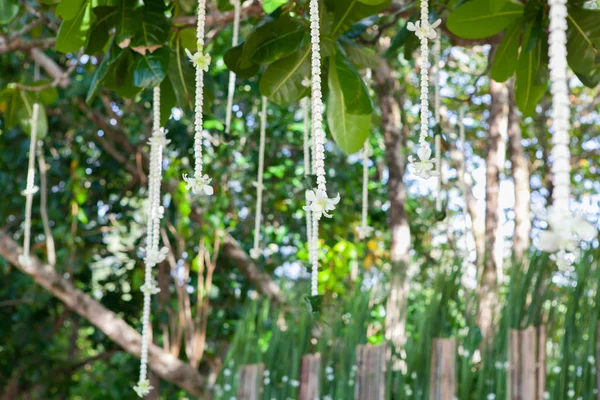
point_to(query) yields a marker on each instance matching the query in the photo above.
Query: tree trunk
(387, 89)
(163, 364)
(487, 279)
(520, 174)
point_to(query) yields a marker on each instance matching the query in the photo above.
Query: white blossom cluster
(30, 189)
(317, 201)
(255, 252)
(423, 166)
(154, 253)
(234, 42)
(200, 183)
(565, 229)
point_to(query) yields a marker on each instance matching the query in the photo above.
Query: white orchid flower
(424, 168)
(364, 232)
(160, 139)
(199, 59)
(425, 31)
(564, 233)
(156, 256)
(199, 185)
(30, 191)
(319, 203)
(150, 289)
(143, 388)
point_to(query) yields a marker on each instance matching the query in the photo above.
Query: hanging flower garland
(565, 229)
(154, 254)
(234, 42)
(317, 200)
(364, 231)
(30, 189)
(255, 252)
(423, 167)
(307, 154)
(200, 183)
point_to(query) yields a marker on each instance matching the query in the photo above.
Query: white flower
(425, 31)
(591, 360)
(200, 59)
(143, 388)
(160, 139)
(227, 387)
(160, 212)
(364, 232)
(424, 167)
(267, 381)
(226, 372)
(156, 256)
(294, 383)
(328, 370)
(565, 232)
(30, 191)
(199, 185)
(150, 289)
(255, 253)
(319, 203)
(306, 82)
(284, 379)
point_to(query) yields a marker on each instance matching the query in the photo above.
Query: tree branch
(163, 364)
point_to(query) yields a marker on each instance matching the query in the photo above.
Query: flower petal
(424, 152)
(584, 229)
(548, 241)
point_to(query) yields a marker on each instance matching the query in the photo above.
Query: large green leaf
(151, 68)
(361, 56)
(8, 10)
(72, 34)
(476, 20)
(167, 100)
(282, 81)
(120, 77)
(104, 20)
(153, 29)
(583, 40)
(181, 75)
(591, 80)
(348, 12)
(349, 106)
(101, 72)
(233, 59)
(280, 45)
(531, 76)
(271, 5)
(67, 9)
(505, 59)
(128, 21)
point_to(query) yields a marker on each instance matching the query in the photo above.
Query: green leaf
(181, 75)
(151, 69)
(67, 9)
(233, 59)
(279, 46)
(104, 20)
(282, 81)
(361, 56)
(583, 40)
(25, 115)
(72, 34)
(127, 21)
(591, 80)
(497, 5)
(167, 100)
(101, 72)
(349, 106)
(271, 5)
(504, 63)
(120, 77)
(8, 10)
(531, 83)
(154, 28)
(348, 12)
(475, 19)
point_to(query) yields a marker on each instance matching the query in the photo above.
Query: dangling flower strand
(200, 183)
(565, 230)
(424, 32)
(234, 42)
(154, 254)
(30, 189)
(307, 171)
(318, 202)
(364, 231)
(255, 252)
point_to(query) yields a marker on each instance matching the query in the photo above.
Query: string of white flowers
(364, 230)
(234, 42)
(318, 202)
(423, 167)
(565, 229)
(255, 252)
(200, 183)
(30, 188)
(437, 50)
(154, 254)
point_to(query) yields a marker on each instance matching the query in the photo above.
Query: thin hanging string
(234, 42)
(364, 230)
(255, 253)
(30, 189)
(154, 255)
(200, 183)
(307, 154)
